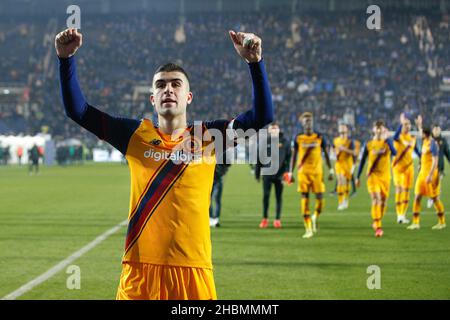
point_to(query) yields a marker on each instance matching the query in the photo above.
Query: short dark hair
(171, 67)
(379, 123)
(426, 131)
(436, 125)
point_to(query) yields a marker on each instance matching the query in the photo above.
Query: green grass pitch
(45, 218)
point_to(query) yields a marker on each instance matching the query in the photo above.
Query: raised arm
(365, 154)
(390, 143)
(114, 130)
(261, 113)
(248, 46)
(398, 132)
(419, 122)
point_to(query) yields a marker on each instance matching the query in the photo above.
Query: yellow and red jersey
(169, 202)
(344, 159)
(433, 188)
(405, 145)
(429, 150)
(168, 224)
(378, 155)
(309, 153)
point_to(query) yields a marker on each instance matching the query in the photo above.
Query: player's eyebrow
(167, 80)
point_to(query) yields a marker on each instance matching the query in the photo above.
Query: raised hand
(68, 42)
(247, 45)
(419, 121)
(402, 118)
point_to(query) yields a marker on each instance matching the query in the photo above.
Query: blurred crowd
(328, 63)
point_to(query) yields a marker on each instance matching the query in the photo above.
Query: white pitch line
(63, 264)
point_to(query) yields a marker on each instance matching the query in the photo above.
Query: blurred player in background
(215, 207)
(307, 149)
(168, 244)
(33, 159)
(403, 167)
(357, 145)
(282, 155)
(19, 152)
(443, 152)
(428, 183)
(377, 152)
(344, 149)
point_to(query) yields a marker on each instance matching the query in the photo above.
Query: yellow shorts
(379, 184)
(310, 182)
(430, 190)
(404, 179)
(343, 170)
(143, 281)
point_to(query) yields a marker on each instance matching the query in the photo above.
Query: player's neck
(173, 125)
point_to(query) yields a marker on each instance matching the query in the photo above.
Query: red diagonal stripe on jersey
(375, 163)
(156, 192)
(340, 152)
(400, 156)
(305, 156)
(146, 188)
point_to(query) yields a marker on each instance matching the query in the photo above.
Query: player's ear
(190, 97)
(152, 100)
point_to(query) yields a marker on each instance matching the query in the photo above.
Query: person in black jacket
(33, 158)
(276, 179)
(216, 194)
(443, 152)
(443, 148)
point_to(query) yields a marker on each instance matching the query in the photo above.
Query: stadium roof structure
(58, 7)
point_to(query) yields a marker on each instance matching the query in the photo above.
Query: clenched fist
(68, 42)
(247, 45)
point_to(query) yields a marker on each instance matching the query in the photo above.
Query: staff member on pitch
(283, 157)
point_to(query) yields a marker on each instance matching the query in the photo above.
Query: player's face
(378, 131)
(436, 131)
(307, 123)
(171, 93)
(343, 131)
(407, 126)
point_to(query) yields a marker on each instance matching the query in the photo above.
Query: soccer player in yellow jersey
(307, 149)
(403, 167)
(444, 152)
(428, 181)
(344, 149)
(377, 152)
(167, 246)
